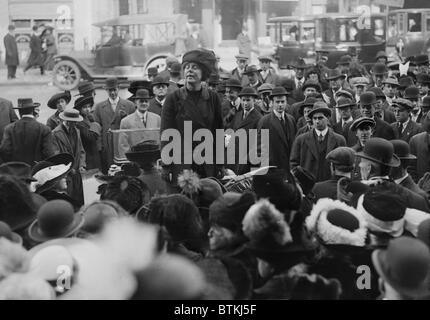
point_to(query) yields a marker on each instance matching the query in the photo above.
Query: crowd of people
(342, 211)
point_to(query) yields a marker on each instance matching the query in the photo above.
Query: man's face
(319, 121)
(345, 113)
(423, 69)
(142, 105)
(193, 73)
(359, 89)
(379, 104)
(313, 77)
(402, 115)
(160, 91)
(265, 65)
(336, 84)
(219, 237)
(364, 133)
(381, 60)
(378, 79)
(306, 111)
(424, 89)
(300, 73)
(309, 90)
(367, 110)
(232, 94)
(248, 103)
(253, 77)
(241, 63)
(61, 105)
(113, 93)
(280, 103)
(389, 90)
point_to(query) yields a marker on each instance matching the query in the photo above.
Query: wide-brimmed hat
(380, 151)
(248, 92)
(368, 98)
(48, 172)
(421, 59)
(335, 74)
(266, 88)
(206, 59)
(52, 103)
(233, 83)
(345, 103)
(71, 115)
(412, 93)
(344, 60)
(379, 69)
(320, 109)
(111, 83)
(56, 219)
(147, 150)
(19, 170)
(7, 233)
(27, 103)
(403, 103)
(251, 69)
(312, 84)
(378, 92)
(278, 91)
(159, 80)
(139, 84)
(83, 101)
(391, 80)
(86, 87)
(405, 266)
(402, 150)
(141, 94)
(358, 123)
(381, 54)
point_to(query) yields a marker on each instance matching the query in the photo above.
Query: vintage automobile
(337, 34)
(129, 46)
(408, 32)
(294, 37)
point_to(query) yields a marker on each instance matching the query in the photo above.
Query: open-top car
(129, 46)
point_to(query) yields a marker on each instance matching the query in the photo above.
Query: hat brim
(34, 105)
(52, 161)
(247, 73)
(147, 155)
(82, 93)
(394, 163)
(157, 83)
(53, 101)
(378, 257)
(37, 235)
(255, 95)
(317, 88)
(78, 119)
(336, 77)
(325, 111)
(408, 157)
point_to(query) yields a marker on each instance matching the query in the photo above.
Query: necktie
(400, 129)
(144, 119)
(320, 138)
(245, 114)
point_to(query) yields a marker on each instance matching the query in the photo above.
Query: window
(392, 26)
(378, 27)
(124, 7)
(428, 24)
(142, 6)
(22, 24)
(414, 22)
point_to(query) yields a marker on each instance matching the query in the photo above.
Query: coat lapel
(249, 119)
(310, 141)
(279, 130)
(331, 141)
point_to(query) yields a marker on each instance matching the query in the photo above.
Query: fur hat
(335, 223)
(229, 210)
(206, 59)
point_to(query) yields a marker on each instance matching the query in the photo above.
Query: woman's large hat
(139, 84)
(83, 101)
(52, 103)
(380, 151)
(86, 87)
(147, 150)
(48, 172)
(205, 58)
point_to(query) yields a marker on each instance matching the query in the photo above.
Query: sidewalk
(32, 77)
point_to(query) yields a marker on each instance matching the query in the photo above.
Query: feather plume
(189, 182)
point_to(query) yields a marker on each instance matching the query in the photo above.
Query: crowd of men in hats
(348, 186)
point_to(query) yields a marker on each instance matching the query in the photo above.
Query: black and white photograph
(215, 154)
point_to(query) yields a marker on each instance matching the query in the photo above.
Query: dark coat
(205, 114)
(272, 78)
(420, 147)
(63, 144)
(408, 183)
(7, 115)
(389, 117)
(36, 56)
(27, 141)
(12, 57)
(382, 130)
(243, 79)
(172, 87)
(412, 129)
(155, 107)
(281, 140)
(228, 113)
(295, 110)
(305, 154)
(326, 189)
(54, 120)
(90, 136)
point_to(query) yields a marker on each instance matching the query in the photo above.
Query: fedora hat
(379, 69)
(335, 74)
(147, 150)
(55, 219)
(320, 109)
(251, 69)
(248, 92)
(422, 59)
(141, 94)
(359, 81)
(86, 87)
(299, 64)
(344, 60)
(403, 103)
(380, 151)
(309, 102)
(159, 80)
(312, 84)
(288, 84)
(278, 91)
(175, 68)
(405, 266)
(83, 101)
(368, 98)
(345, 94)
(27, 103)
(48, 172)
(345, 103)
(52, 103)
(412, 93)
(233, 83)
(19, 170)
(139, 84)
(71, 115)
(266, 88)
(358, 123)
(111, 83)
(402, 150)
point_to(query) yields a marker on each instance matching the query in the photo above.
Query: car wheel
(158, 62)
(66, 75)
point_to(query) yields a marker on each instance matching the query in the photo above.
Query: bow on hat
(404, 68)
